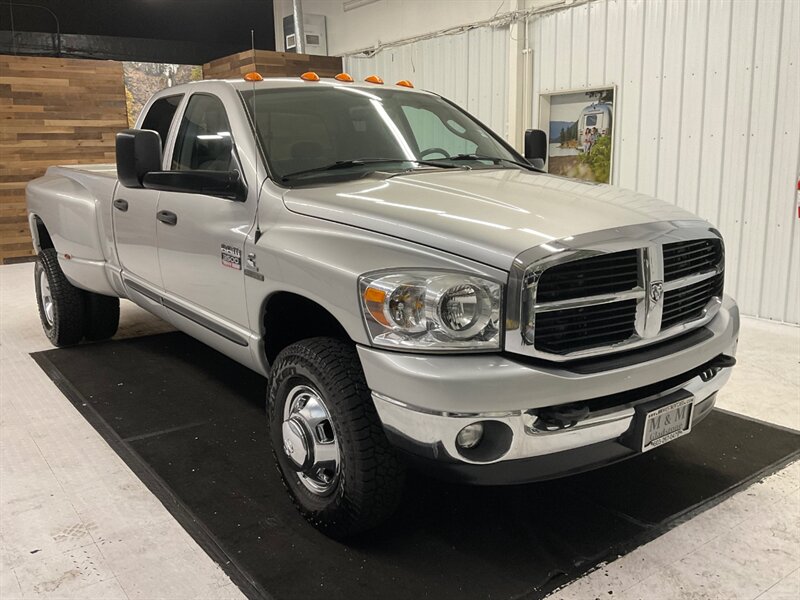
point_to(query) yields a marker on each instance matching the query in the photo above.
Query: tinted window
(432, 133)
(204, 138)
(159, 116)
(305, 128)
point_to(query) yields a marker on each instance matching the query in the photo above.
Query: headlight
(432, 311)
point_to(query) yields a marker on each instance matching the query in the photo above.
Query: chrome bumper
(437, 432)
(426, 400)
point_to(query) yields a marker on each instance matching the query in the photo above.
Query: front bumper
(424, 401)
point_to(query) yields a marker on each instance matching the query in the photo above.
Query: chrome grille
(614, 290)
(687, 303)
(693, 256)
(603, 274)
(574, 329)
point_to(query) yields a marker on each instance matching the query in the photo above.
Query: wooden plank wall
(61, 111)
(52, 111)
(271, 64)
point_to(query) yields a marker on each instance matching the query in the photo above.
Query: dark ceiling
(188, 31)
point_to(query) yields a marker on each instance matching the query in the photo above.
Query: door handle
(121, 204)
(168, 217)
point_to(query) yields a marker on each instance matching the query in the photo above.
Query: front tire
(328, 442)
(61, 304)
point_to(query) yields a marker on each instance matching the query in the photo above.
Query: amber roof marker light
(344, 77)
(253, 76)
(309, 76)
(405, 83)
(374, 79)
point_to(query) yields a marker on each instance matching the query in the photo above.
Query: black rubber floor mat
(191, 424)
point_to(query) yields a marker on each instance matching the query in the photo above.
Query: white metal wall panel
(714, 112)
(652, 84)
(470, 68)
(763, 119)
(777, 296)
(690, 144)
(736, 137)
(706, 118)
(596, 38)
(581, 34)
(672, 85)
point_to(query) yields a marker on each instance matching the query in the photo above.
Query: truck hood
(486, 215)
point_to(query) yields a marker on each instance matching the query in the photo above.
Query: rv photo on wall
(580, 134)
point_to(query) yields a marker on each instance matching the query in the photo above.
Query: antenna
(255, 142)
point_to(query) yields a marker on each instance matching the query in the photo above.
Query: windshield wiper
(359, 162)
(494, 159)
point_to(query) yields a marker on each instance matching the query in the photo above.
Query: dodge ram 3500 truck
(415, 290)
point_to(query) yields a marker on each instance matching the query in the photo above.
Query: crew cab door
(201, 238)
(134, 210)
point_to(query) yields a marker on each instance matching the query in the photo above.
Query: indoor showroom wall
(357, 24)
(697, 110)
(477, 80)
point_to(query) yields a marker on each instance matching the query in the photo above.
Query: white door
(134, 216)
(134, 210)
(201, 238)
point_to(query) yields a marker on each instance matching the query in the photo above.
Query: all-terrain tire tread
(375, 475)
(69, 309)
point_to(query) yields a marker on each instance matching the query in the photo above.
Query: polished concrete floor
(76, 523)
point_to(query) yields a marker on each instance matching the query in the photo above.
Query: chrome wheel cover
(46, 298)
(309, 440)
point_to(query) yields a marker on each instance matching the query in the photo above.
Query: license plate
(667, 423)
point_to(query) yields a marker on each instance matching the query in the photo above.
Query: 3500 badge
(231, 257)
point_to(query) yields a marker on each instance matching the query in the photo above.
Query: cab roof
(295, 82)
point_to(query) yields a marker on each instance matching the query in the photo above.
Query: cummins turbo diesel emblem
(656, 290)
(231, 257)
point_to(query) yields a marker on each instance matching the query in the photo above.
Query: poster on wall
(580, 134)
(143, 79)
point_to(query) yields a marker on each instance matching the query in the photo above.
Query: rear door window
(160, 114)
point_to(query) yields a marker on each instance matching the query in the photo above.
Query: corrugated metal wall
(707, 112)
(707, 117)
(469, 68)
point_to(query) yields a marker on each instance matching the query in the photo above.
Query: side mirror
(224, 184)
(138, 153)
(536, 147)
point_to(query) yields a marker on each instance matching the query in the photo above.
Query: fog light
(470, 436)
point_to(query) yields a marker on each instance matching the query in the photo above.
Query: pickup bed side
(72, 205)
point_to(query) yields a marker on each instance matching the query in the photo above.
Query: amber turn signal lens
(374, 299)
(253, 76)
(373, 79)
(405, 83)
(344, 77)
(309, 76)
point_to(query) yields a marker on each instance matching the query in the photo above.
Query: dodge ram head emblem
(656, 291)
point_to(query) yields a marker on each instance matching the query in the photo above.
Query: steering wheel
(442, 151)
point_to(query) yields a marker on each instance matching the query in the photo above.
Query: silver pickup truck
(416, 291)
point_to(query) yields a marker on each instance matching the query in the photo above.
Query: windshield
(306, 131)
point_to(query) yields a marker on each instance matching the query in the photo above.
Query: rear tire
(362, 480)
(102, 316)
(61, 304)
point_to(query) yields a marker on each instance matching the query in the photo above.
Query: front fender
(322, 261)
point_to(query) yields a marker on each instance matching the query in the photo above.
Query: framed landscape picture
(580, 131)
